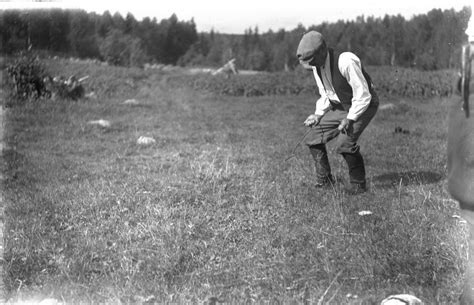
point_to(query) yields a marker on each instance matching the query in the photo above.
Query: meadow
(219, 209)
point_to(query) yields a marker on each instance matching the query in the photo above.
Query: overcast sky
(237, 15)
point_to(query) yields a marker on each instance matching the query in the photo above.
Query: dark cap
(309, 44)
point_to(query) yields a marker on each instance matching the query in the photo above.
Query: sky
(235, 16)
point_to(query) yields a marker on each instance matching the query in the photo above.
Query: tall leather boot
(321, 162)
(355, 162)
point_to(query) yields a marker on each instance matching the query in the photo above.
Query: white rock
(401, 299)
(103, 123)
(388, 106)
(90, 95)
(131, 102)
(145, 140)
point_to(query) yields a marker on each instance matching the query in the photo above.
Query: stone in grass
(145, 140)
(388, 106)
(101, 123)
(399, 299)
(132, 102)
(91, 95)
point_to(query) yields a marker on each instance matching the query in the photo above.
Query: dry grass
(211, 212)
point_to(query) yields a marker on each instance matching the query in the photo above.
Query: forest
(430, 41)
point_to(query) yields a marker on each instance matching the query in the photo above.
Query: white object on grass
(131, 102)
(401, 299)
(90, 95)
(102, 123)
(388, 106)
(145, 140)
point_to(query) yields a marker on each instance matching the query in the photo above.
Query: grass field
(212, 212)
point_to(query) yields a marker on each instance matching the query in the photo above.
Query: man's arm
(322, 104)
(351, 69)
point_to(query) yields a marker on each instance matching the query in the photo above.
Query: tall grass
(212, 212)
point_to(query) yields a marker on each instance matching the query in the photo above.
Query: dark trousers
(346, 143)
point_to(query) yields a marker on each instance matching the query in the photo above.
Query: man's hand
(346, 126)
(312, 120)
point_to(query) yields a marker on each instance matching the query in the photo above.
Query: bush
(388, 81)
(279, 83)
(26, 78)
(411, 83)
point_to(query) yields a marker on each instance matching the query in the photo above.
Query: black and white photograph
(236, 152)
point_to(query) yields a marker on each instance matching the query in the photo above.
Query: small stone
(102, 123)
(145, 140)
(388, 106)
(131, 102)
(401, 299)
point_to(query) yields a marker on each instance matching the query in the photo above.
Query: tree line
(427, 41)
(116, 39)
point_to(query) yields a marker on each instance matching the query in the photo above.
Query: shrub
(26, 78)
(279, 83)
(389, 81)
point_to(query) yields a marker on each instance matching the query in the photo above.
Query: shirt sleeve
(351, 69)
(322, 104)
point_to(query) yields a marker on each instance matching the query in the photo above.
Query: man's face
(319, 57)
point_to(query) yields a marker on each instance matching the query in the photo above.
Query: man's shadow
(394, 179)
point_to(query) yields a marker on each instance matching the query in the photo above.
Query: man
(461, 154)
(347, 104)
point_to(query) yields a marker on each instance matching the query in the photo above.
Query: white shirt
(350, 67)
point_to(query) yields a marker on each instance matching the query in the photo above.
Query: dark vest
(340, 84)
